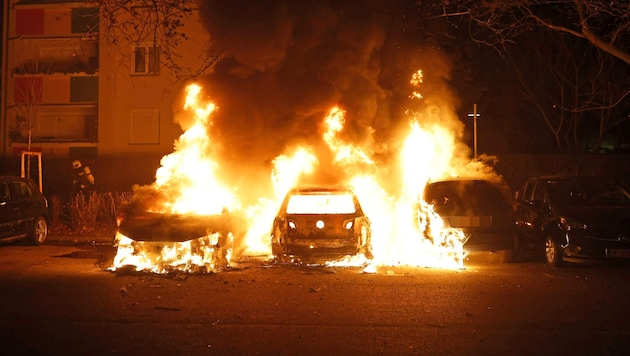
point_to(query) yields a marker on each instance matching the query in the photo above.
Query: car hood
(617, 217)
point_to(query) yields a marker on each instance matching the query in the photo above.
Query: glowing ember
(416, 80)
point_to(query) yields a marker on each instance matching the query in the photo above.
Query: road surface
(63, 300)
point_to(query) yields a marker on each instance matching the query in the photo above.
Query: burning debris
(163, 242)
(205, 254)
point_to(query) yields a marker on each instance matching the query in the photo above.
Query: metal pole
(475, 128)
(4, 77)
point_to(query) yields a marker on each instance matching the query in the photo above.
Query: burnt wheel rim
(550, 250)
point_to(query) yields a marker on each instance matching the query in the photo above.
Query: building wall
(50, 78)
(88, 99)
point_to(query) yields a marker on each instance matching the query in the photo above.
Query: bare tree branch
(160, 23)
(603, 23)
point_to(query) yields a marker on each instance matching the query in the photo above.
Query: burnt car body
(150, 238)
(480, 208)
(23, 211)
(320, 223)
(573, 218)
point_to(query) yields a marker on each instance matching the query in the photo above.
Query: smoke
(285, 64)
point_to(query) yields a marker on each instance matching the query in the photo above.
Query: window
(5, 193)
(22, 190)
(539, 193)
(144, 127)
(321, 204)
(65, 124)
(146, 60)
(85, 20)
(528, 194)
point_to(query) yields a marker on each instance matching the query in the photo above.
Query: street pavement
(88, 239)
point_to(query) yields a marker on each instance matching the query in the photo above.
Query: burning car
(573, 218)
(480, 208)
(159, 242)
(320, 222)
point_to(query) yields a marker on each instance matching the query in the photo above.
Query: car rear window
(5, 193)
(321, 204)
(22, 190)
(466, 198)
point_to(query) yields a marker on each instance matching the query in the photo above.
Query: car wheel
(553, 253)
(40, 231)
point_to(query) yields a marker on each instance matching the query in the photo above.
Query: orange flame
(187, 176)
(344, 152)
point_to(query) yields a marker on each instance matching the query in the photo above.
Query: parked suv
(573, 218)
(23, 211)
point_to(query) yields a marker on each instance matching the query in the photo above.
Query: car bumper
(591, 248)
(488, 239)
(319, 248)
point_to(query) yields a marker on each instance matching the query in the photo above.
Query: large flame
(406, 230)
(188, 175)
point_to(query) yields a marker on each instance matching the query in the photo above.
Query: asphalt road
(62, 300)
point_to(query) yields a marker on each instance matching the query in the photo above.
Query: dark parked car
(23, 211)
(573, 218)
(320, 222)
(480, 208)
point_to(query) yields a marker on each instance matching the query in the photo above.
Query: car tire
(553, 253)
(40, 231)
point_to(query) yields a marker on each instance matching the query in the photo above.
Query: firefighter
(82, 177)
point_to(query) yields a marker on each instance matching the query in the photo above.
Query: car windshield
(587, 192)
(466, 198)
(321, 203)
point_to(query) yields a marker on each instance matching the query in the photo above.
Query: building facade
(67, 92)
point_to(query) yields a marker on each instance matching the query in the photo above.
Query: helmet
(76, 164)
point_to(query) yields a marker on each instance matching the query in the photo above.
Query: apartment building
(67, 92)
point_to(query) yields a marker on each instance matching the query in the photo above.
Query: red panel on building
(29, 22)
(28, 90)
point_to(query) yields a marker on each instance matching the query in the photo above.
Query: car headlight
(348, 224)
(569, 224)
